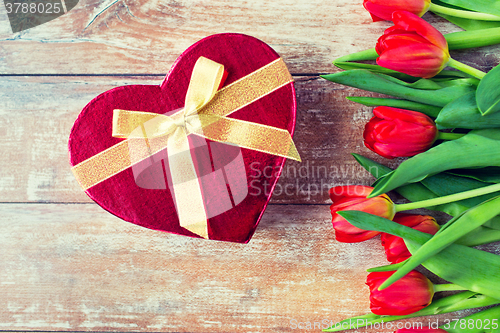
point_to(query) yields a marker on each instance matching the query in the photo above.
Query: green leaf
(461, 301)
(449, 233)
(386, 268)
(479, 148)
(364, 79)
(475, 270)
(446, 184)
(469, 81)
(486, 175)
(488, 92)
(375, 69)
(469, 24)
(446, 74)
(480, 320)
(493, 223)
(463, 113)
(430, 110)
(412, 192)
(484, 6)
(480, 236)
(442, 80)
(432, 187)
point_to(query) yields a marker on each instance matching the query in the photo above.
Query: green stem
(463, 13)
(448, 136)
(466, 68)
(456, 41)
(448, 198)
(447, 287)
(472, 38)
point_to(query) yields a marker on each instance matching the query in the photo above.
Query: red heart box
(236, 183)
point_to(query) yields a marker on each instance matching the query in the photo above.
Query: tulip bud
(411, 293)
(396, 132)
(382, 9)
(395, 247)
(354, 198)
(412, 46)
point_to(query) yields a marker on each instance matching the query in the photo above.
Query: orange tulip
(354, 198)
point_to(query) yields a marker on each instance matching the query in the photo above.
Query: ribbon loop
(205, 80)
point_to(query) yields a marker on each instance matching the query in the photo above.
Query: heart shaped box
(236, 183)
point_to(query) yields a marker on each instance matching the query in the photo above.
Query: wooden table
(68, 265)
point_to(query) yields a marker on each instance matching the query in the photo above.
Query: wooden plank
(140, 36)
(76, 267)
(37, 113)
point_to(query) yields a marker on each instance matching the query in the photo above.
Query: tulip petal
(420, 60)
(375, 18)
(384, 9)
(396, 132)
(354, 198)
(411, 22)
(390, 113)
(410, 294)
(398, 39)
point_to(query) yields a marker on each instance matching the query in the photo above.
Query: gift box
(198, 155)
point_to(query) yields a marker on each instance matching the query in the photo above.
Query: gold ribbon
(205, 114)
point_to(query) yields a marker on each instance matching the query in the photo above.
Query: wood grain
(36, 115)
(144, 37)
(76, 267)
(130, 36)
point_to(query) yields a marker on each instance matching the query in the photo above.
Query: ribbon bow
(205, 114)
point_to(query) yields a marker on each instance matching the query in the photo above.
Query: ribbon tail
(186, 186)
(263, 138)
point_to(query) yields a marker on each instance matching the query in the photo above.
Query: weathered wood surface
(117, 36)
(68, 265)
(36, 115)
(141, 36)
(73, 267)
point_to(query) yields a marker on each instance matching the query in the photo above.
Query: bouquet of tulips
(447, 124)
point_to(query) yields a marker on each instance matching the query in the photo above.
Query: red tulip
(382, 9)
(412, 46)
(354, 198)
(396, 132)
(395, 247)
(411, 293)
(420, 330)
